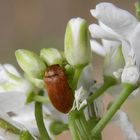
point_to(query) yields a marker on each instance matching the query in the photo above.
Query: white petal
(3, 75)
(11, 69)
(7, 135)
(6, 118)
(86, 79)
(126, 49)
(11, 101)
(121, 21)
(26, 117)
(80, 97)
(135, 42)
(97, 48)
(99, 107)
(118, 40)
(98, 32)
(108, 44)
(130, 75)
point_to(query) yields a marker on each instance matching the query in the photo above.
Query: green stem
(39, 120)
(72, 126)
(9, 127)
(23, 134)
(76, 77)
(79, 126)
(108, 82)
(127, 90)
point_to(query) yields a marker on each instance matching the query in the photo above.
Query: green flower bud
(114, 60)
(31, 63)
(77, 48)
(51, 56)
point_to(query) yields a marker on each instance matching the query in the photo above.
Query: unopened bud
(31, 63)
(51, 56)
(77, 48)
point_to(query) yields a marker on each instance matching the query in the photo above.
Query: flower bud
(77, 48)
(31, 63)
(114, 60)
(130, 75)
(51, 56)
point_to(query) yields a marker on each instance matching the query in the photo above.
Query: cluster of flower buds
(53, 66)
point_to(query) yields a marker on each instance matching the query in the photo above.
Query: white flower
(130, 75)
(118, 25)
(80, 98)
(26, 117)
(99, 107)
(113, 57)
(110, 50)
(11, 130)
(13, 89)
(87, 78)
(86, 86)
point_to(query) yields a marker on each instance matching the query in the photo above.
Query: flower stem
(79, 126)
(39, 119)
(76, 77)
(127, 90)
(10, 127)
(108, 82)
(23, 134)
(73, 115)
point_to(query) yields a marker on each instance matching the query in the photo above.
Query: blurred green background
(33, 24)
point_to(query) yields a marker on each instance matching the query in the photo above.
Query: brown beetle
(58, 88)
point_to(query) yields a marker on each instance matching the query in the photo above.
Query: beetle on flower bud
(58, 88)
